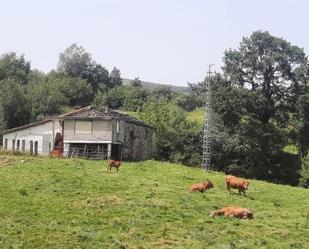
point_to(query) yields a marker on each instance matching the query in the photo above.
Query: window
(6, 144)
(31, 147)
(23, 145)
(18, 144)
(83, 127)
(118, 127)
(13, 144)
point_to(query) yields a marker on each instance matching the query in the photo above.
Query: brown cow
(236, 183)
(238, 212)
(113, 163)
(201, 187)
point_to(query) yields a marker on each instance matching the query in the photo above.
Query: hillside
(58, 203)
(152, 85)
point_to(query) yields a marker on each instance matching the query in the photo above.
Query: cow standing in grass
(237, 183)
(113, 163)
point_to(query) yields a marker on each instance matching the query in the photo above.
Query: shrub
(304, 172)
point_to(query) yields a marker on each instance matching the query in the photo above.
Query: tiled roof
(90, 112)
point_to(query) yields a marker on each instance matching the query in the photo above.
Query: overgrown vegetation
(58, 203)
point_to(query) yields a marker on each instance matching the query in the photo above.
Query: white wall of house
(41, 133)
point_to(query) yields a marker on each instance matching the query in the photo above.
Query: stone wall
(137, 143)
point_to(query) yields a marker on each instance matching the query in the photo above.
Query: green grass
(59, 203)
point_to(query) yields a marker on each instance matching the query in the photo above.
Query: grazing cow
(238, 212)
(236, 183)
(113, 163)
(201, 187)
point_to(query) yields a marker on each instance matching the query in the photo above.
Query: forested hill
(152, 86)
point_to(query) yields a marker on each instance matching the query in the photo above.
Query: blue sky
(166, 41)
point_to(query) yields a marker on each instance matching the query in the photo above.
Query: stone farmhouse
(89, 132)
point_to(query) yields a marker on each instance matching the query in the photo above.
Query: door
(6, 144)
(23, 145)
(13, 145)
(116, 152)
(36, 145)
(31, 147)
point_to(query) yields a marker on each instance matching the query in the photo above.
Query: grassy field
(58, 203)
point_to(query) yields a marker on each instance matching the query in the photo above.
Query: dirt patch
(5, 162)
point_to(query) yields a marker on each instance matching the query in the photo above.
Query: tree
(162, 92)
(189, 101)
(255, 101)
(99, 78)
(114, 98)
(76, 91)
(137, 83)
(125, 97)
(14, 67)
(272, 67)
(14, 106)
(75, 62)
(304, 173)
(303, 135)
(115, 78)
(134, 97)
(45, 96)
(175, 138)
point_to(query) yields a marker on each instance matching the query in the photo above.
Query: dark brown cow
(238, 212)
(113, 163)
(201, 187)
(236, 183)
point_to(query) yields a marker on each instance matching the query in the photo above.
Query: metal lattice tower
(207, 125)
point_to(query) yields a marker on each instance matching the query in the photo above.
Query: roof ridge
(75, 111)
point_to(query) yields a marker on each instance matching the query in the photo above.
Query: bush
(175, 138)
(304, 172)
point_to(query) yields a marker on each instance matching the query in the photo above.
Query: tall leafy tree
(75, 61)
(255, 100)
(273, 68)
(14, 106)
(46, 98)
(115, 78)
(127, 97)
(303, 136)
(137, 83)
(14, 67)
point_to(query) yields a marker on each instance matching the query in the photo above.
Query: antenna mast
(207, 125)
